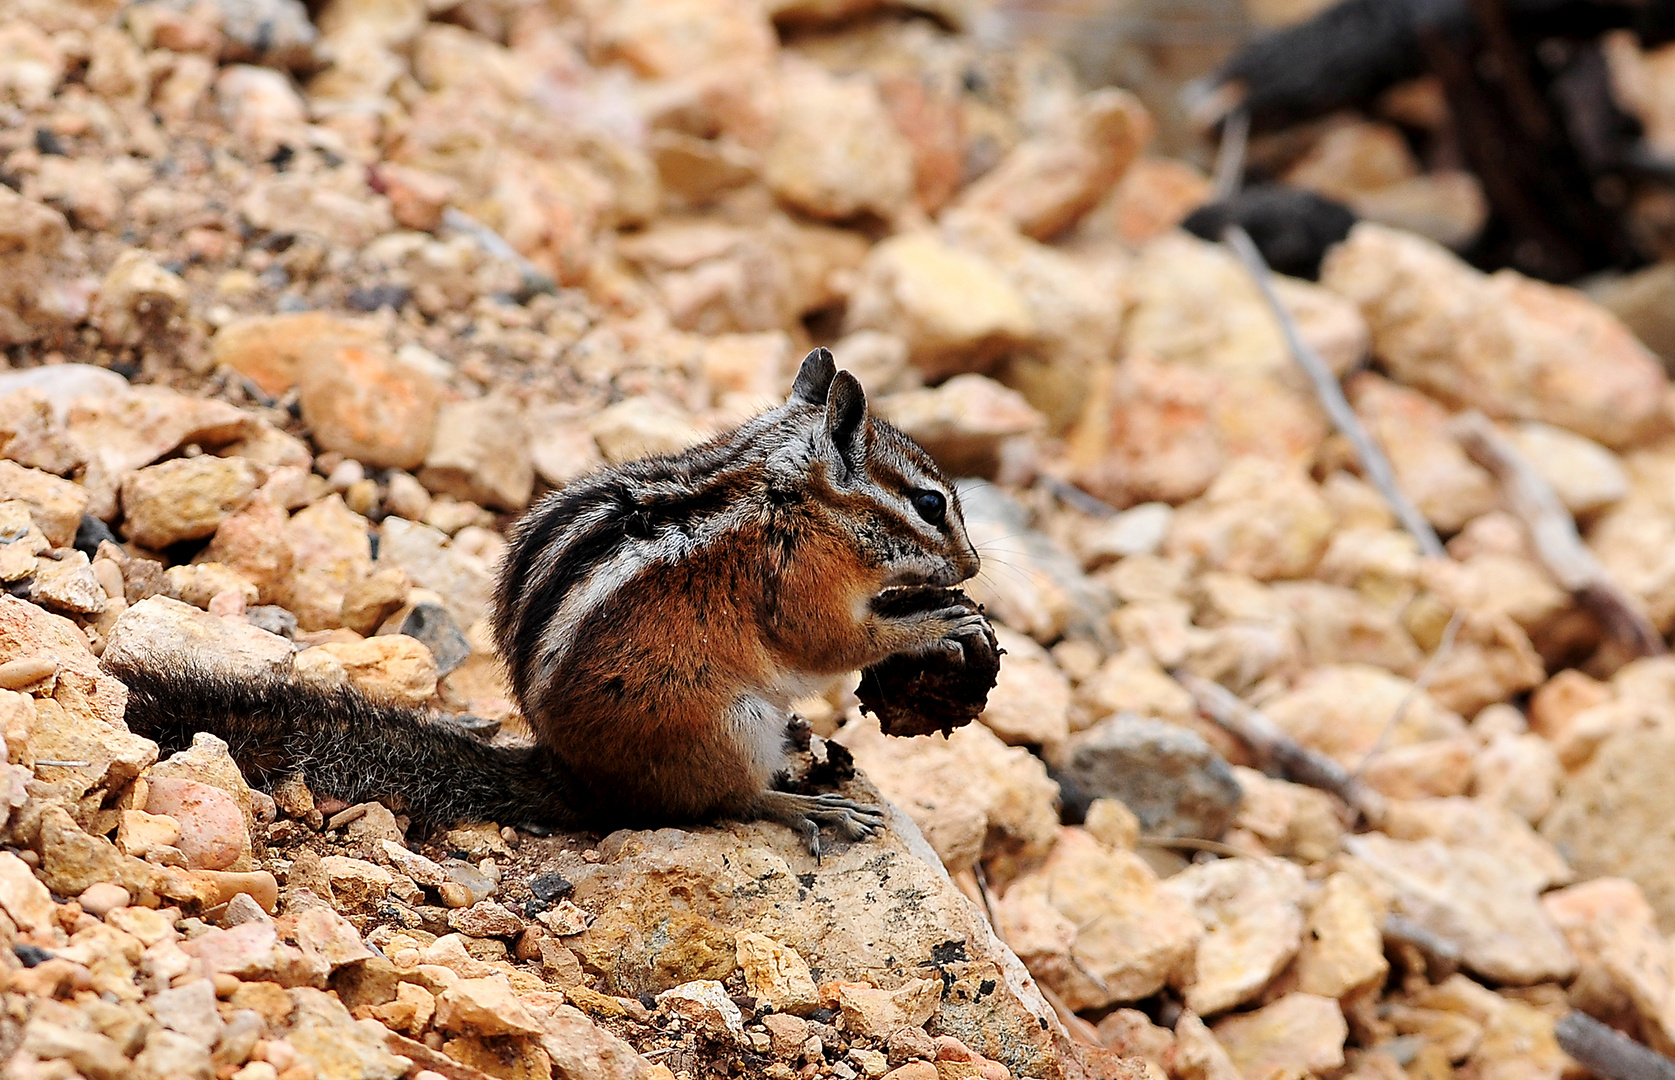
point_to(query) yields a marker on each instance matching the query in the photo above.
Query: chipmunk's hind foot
(808, 813)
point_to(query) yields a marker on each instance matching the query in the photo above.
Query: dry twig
(1609, 1054)
(1230, 155)
(1374, 464)
(1553, 532)
(1280, 754)
(1442, 957)
(1079, 1030)
(1377, 467)
(535, 280)
(1445, 645)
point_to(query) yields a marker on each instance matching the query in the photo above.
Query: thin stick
(1230, 154)
(1078, 499)
(982, 880)
(1279, 753)
(1373, 461)
(1079, 1030)
(1192, 843)
(1442, 957)
(1445, 645)
(1553, 532)
(535, 280)
(1607, 1053)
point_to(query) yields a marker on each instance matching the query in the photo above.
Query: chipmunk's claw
(808, 813)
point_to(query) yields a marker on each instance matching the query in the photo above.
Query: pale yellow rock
(1045, 184)
(965, 423)
(356, 884)
(660, 39)
(1517, 1041)
(1253, 922)
(1614, 933)
(1132, 680)
(1258, 518)
(56, 505)
(1030, 702)
(330, 551)
(1520, 772)
(485, 1006)
(137, 298)
(1343, 711)
(1585, 476)
(1338, 625)
(113, 755)
(141, 834)
(1467, 896)
(67, 584)
(1492, 659)
(836, 152)
(1605, 819)
(480, 452)
(158, 630)
(874, 1013)
(641, 426)
(1437, 768)
(1194, 305)
(1112, 824)
(775, 975)
(1431, 467)
(1296, 1035)
(1479, 825)
(955, 309)
(24, 899)
(394, 667)
(1095, 926)
(409, 1012)
(184, 499)
(1343, 940)
(1198, 1055)
(1291, 820)
(1513, 347)
(971, 795)
(1492, 583)
(199, 583)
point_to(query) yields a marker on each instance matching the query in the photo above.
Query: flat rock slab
(666, 907)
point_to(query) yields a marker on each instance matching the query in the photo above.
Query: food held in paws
(938, 690)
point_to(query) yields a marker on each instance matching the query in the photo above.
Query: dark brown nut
(938, 690)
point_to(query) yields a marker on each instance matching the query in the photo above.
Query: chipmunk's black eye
(931, 506)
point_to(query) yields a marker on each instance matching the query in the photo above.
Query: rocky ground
(301, 307)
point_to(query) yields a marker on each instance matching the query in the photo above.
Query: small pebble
(344, 817)
(455, 895)
(102, 897)
(348, 472)
(109, 576)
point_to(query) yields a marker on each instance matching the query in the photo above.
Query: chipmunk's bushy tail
(348, 745)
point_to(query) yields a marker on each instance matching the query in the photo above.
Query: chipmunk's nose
(966, 564)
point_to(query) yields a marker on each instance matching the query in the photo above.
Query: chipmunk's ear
(846, 420)
(814, 378)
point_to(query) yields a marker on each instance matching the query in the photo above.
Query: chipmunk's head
(874, 483)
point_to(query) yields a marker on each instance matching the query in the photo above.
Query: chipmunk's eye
(930, 505)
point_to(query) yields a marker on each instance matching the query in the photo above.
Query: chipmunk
(657, 619)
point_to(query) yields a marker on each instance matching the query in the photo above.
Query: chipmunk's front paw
(939, 630)
(807, 813)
